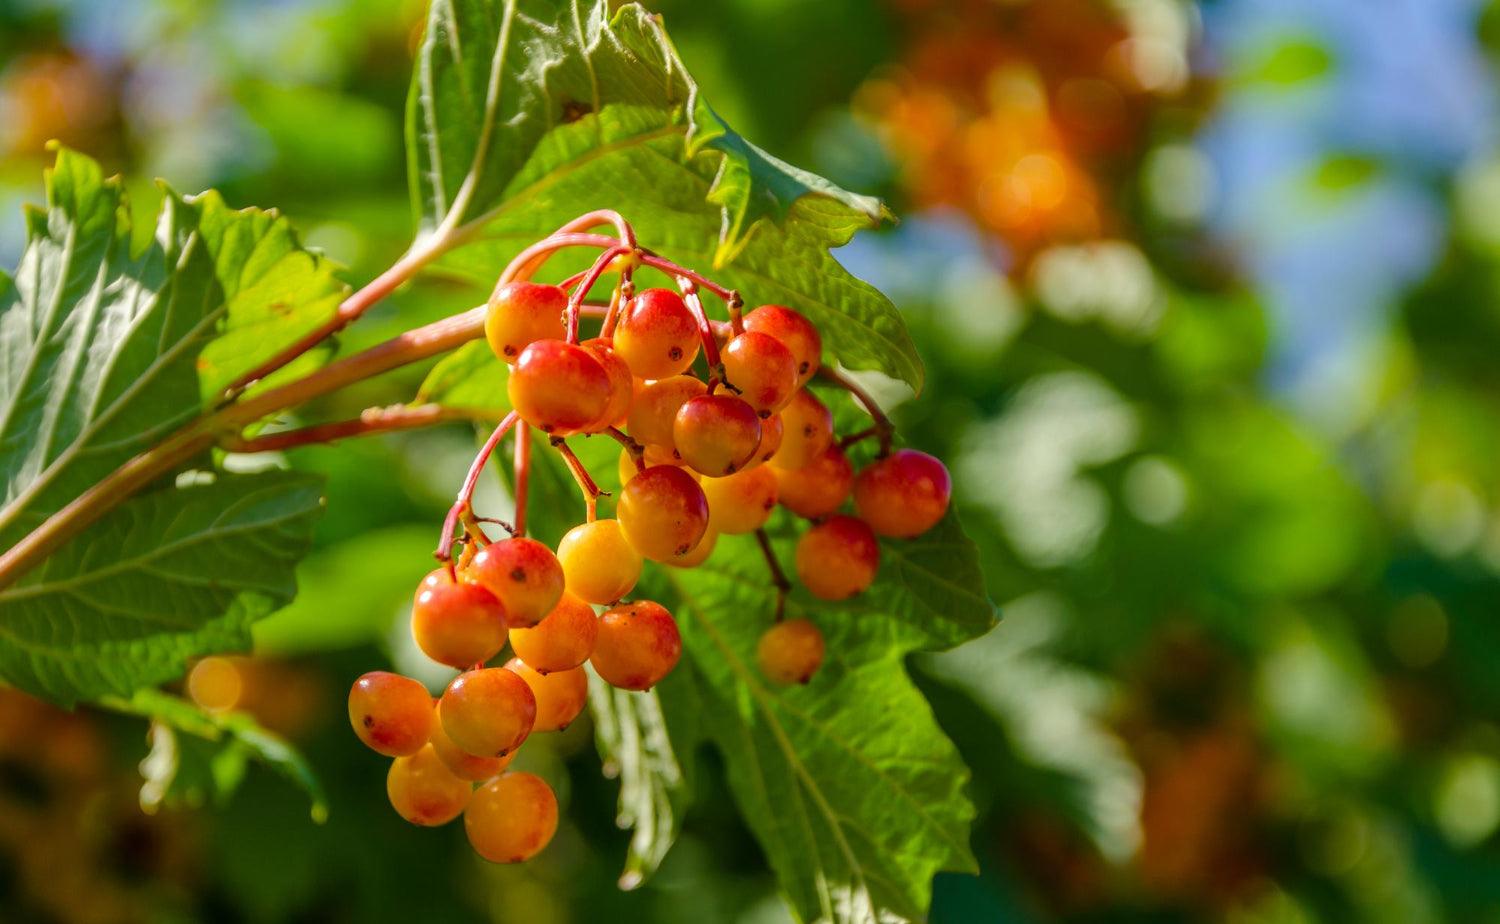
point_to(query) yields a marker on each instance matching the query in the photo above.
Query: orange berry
(522, 574)
(838, 558)
(511, 818)
(424, 791)
(818, 489)
(716, 435)
(559, 388)
(488, 712)
(521, 313)
(638, 645)
(456, 623)
(663, 512)
(903, 495)
(790, 651)
(656, 334)
(560, 695)
(808, 428)
(562, 641)
(390, 713)
(794, 331)
(742, 502)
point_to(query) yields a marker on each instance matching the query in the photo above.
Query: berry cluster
(703, 455)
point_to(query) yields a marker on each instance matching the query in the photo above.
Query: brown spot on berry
(369, 721)
(765, 415)
(802, 369)
(518, 574)
(675, 353)
(510, 350)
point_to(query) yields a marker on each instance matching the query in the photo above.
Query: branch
(591, 492)
(778, 577)
(462, 504)
(883, 427)
(372, 420)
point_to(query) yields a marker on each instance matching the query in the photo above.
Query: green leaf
(470, 378)
(524, 115)
(160, 579)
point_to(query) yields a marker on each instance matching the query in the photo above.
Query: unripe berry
(488, 712)
(522, 574)
(657, 334)
(818, 489)
(521, 313)
(838, 558)
(456, 623)
(560, 695)
(461, 763)
(699, 553)
(742, 502)
(654, 407)
(424, 791)
(559, 388)
(903, 495)
(663, 512)
(562, 641)
(599, 563)
(510, 819)
(808, 431)
(762, 369)
(621, 385)
(717, 434)
(638, 645)
(790, 651)
(794, 331)
(391, 714)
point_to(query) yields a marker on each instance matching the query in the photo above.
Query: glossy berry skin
(762, 369)
(790, 651)
(663, 512)
(699, 553)
(522, 574)
(559, 388)
(599, 563)
(488, 712)
(838, 558)
(652, 455)
(654, 407)
(903, 495)
(521, 313)
(511, 818)
(818, 489)
(742, 502)
(456, 623)
(716, 435)
(621, 385)
(560, 695)
(638, 645)
(771, 431)
(461, 763)
(794, 331)
(424, 791)
(657, 335)
(562, 641)
(808, 426)
(390, 713)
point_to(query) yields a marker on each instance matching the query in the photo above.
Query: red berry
(818, 489)
(559, 388)
(390, 713)
(560, 695)
(742, 502)
(838, 558)
(657, 334)
(461, 763)
(654, 407)
(522, 574)
(621, 385)
(762, 369)
(663, 512)
(790, 652)
(488, 712)
(808, 431)
(903, 495)
(456, 623)
(792, 329)
(510, 819)
(771, 430)
(716, 435)
(562, 641)
(638, 645)
(699, 553)
(423, 790)
(521, 313)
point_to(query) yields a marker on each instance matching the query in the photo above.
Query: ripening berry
(424, 791)
(524, 576)
(510, 819)
(654, 406)
(742, 502)
(698, 554)
(488, 712)
(762, 369)
(456, 623)
(663, 512)
(652, 455)
(215, 684)
(796, 332)
(716, 435)
(903, 495)
(638, 645)
(563, 640)
(838, 558)
(808, 430)
(657, 334)
(771, 430)
(818, 489)
(621, 385)
(560, 695)
(461, 763)
(391, 714)
(559, 388)
(521, 313)
(599, 563)
(790, 651)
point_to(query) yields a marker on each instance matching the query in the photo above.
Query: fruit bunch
(717, 427)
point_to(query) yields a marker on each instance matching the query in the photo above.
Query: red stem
(461, 504)
(372, 420)
(591, 492)
(585, 284)
(672, 269)
(705, 329)
(883, 427)
(778, 576)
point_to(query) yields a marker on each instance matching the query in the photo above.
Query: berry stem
(370, 421)
(617, 298)
(736, 306)
(862, 435)
(581, 292)
(689, 288)
(672, 269)
(462, 504)
(591, 492)
(883, 427)
(636, 450)
(522, 476)
(778, 576)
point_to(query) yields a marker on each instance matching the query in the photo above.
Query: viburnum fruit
(560, 695)
(521, 313)
(790, 651)
(638, 645)
(599, 564)
(819, 488)
(621, 385)
(650, 455)
(487, 712)
(808, 430)
(663, 512)
(461, 763)
(511, 818)
(558, 387)
(562, 641)
(794, 331)
(838, 558)
(903, 495)
(657, 335)
(423, 790)
(456, 623)
(390, 713)
(215, 684)
(762, 370)
(742, 502)
(522, 574)
(771, 431)
(654, 407)
(716, 434)
(699, 553)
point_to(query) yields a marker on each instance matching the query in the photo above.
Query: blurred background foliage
(1210, 299)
